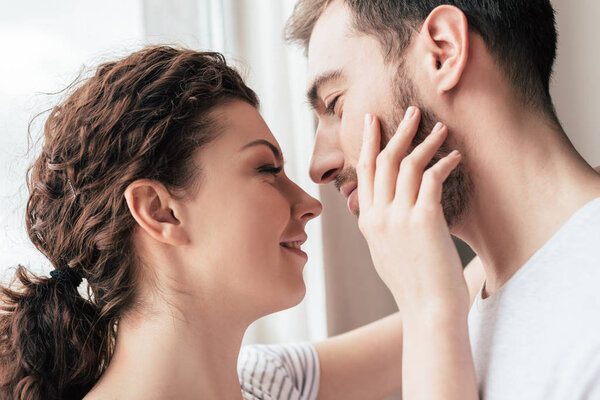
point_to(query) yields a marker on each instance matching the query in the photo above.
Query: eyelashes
(330, 109)
(270, 169)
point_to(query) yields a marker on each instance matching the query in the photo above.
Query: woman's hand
(402, 219)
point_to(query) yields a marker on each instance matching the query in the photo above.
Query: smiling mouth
(292, 245)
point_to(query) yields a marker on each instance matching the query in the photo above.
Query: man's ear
(445, 35)
(154, 209)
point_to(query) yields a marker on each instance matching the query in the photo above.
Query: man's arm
(366, 363)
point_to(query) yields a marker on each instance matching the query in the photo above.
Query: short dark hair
(521, 34)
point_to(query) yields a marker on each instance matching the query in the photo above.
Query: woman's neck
(166, 353)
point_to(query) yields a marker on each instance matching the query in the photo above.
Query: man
(522, 198)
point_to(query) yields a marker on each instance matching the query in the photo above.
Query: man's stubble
(458, 187)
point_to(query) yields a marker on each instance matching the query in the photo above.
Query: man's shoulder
(578, 239)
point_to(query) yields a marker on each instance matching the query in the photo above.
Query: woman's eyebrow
(270, 145)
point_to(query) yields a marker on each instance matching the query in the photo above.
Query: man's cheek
(351, 138)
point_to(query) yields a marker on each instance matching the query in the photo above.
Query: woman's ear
(153, 208)
(445, 34)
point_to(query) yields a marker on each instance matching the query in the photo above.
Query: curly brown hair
(144, 116)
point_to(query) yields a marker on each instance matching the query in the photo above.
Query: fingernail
(368, 120)
(454, 153)
(410, 112)
(438, 127)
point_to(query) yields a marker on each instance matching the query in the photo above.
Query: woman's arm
(401, 217)
(365, 363)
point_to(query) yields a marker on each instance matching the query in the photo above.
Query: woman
(160, 185)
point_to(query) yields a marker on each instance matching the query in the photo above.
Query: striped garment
(273, 372)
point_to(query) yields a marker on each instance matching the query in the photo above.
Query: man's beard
(458, 187)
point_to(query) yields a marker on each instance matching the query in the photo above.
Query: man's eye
(330, 110)
(270, 169)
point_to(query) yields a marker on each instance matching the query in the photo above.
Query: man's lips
(353, 202)
(348, 188)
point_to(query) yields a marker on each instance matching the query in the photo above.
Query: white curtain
(45, 46)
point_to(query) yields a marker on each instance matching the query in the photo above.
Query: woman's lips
(297, 252)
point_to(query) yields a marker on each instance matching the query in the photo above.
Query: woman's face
(246, 216)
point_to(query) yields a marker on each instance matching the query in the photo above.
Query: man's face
(349, 77)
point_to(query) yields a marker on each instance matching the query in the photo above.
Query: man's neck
(528, 181)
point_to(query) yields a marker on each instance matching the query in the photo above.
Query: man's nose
(327, 158)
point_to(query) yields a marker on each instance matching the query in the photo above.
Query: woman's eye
(330, 109)
(270, 169)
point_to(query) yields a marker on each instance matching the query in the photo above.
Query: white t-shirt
(272, 372)
(538, 336)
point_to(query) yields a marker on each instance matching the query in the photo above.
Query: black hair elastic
(67, 275)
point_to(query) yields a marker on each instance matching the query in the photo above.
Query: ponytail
(50, 338)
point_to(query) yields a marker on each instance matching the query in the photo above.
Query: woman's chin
(299, 296)
(291, 297)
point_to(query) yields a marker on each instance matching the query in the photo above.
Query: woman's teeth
(293, 245)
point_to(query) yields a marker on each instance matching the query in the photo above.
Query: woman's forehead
(241, 123)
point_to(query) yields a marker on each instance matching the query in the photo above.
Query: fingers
(413, 165)
(433, 179)
(365, 168)
(388, 161)
(391, 175)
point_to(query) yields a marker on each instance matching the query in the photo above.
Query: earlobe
(446, 31)
(148, 202)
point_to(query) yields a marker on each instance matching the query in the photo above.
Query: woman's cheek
(267, 214)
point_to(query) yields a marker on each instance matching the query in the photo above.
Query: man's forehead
(328, 40)
(347, 61)
(336, 45)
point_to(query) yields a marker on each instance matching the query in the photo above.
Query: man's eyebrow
(313, 92)
(264, 142)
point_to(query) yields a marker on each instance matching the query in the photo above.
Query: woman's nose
(306, 207)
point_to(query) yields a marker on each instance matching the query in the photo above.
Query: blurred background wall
(46, 45)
